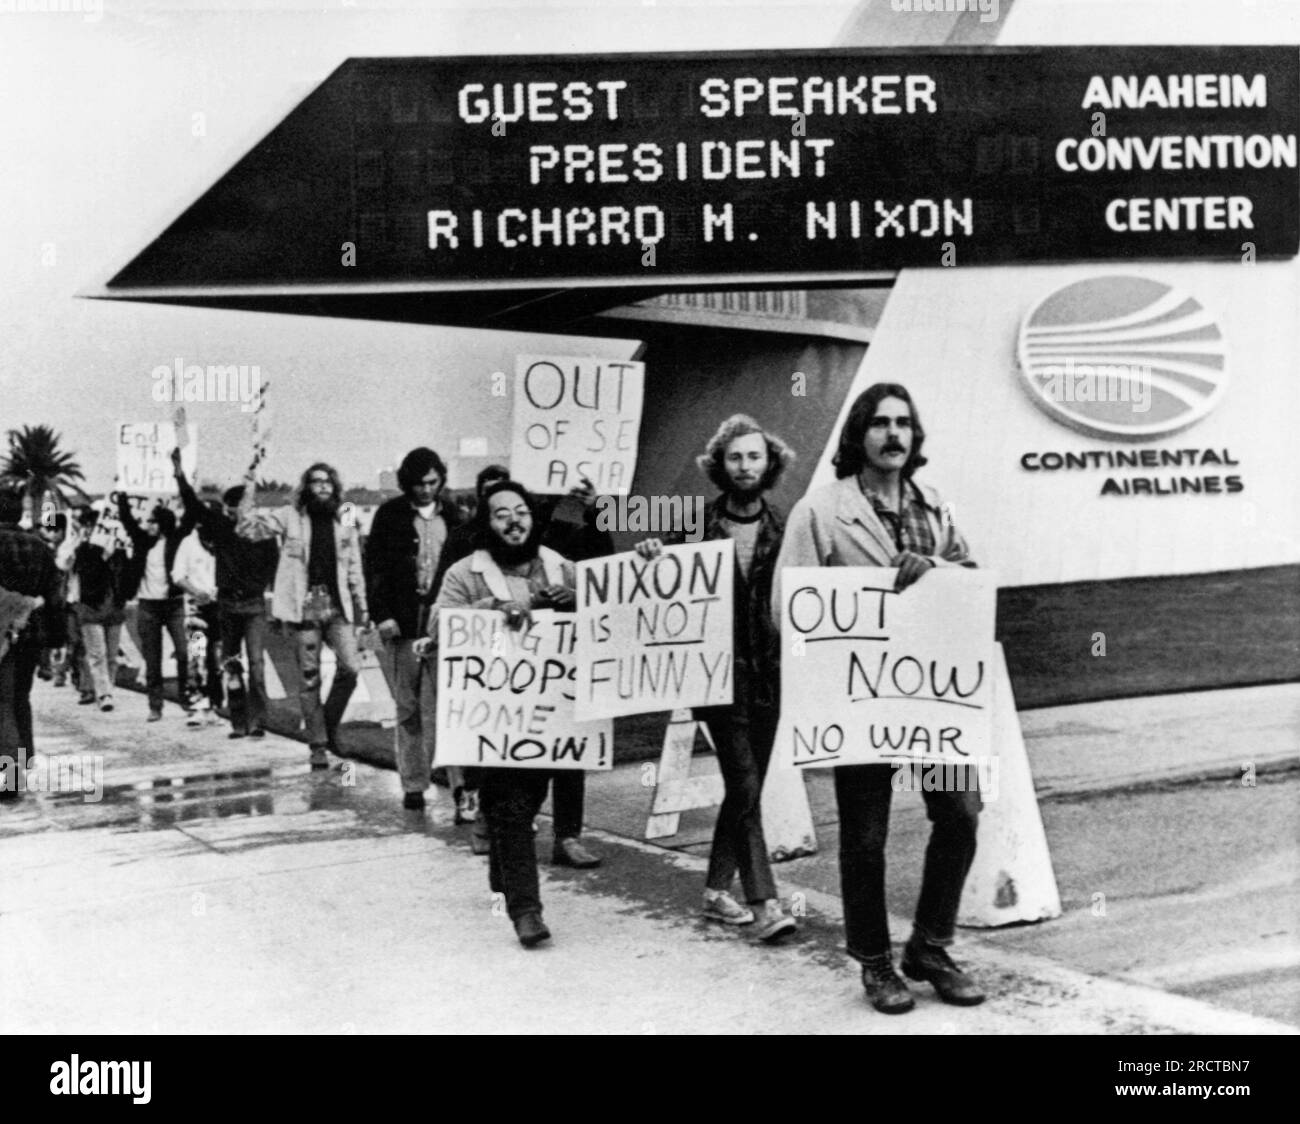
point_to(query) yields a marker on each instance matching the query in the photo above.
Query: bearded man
(319, 592)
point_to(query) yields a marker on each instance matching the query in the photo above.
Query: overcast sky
(97, 127)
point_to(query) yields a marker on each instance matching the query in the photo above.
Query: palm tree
(37, 463)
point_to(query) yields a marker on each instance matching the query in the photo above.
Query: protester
(745, 462)
(402, 555)
(510, 571)
(27, 572)
(461, 544)
(73, 669)
(195, 571)
(101, 611)
(319, 593)
(244, 571)
(877, 514)
(160, 601)
(53, 530)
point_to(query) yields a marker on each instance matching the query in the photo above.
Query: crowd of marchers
(203, 577)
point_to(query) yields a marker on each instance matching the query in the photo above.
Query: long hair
(779, 455)
(850, 458)
(304, 488)
(482, 533)
(415, 467)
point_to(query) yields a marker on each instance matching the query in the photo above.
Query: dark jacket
(142, 542)
(27, 567)
(245, 567)
(756, 639)
(101, 580)
(391, 561)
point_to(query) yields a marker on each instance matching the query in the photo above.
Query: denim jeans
(743, 737)
(862, 794)
(509, 799)
(150, 619)
(244, 623)
(100, 642)
(415, 698)
(322, 723)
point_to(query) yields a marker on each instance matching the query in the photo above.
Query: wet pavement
(221, 885)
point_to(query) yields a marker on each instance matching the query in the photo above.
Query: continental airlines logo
(1123, 356)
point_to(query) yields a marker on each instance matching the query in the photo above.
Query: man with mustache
(745, 462)
(319, 592)
(512, 572)
(877, 514)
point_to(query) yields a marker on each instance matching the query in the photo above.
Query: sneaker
(106, 703)
(721, 906)
(87, 698)
(319, 758)
(888, 993)
(258, 733)
(773, 922)
(155, 715)
(569, 852)
(932, 964)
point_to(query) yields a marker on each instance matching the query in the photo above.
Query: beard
(317, 506)
(513, 554)
(745, 491)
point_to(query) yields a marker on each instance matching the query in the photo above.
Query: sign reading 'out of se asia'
(583, 168)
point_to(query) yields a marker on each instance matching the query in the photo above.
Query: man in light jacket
(876, 514)
(319, 592)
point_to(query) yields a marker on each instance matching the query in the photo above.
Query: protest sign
(109, 534)
(144, 451)
(655, 635)
(576, 417)
(873, 676)
(505, 697)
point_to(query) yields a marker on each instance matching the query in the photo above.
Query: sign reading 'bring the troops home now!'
(655, 635)
(872, 676)
(505, 697)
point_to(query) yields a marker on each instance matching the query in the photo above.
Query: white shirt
(154, 585)
(195, 565)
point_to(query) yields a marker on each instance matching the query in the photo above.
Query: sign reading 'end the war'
(144, 451)
(655, 635)
(872, 676)
(576, 418)
(505, 697)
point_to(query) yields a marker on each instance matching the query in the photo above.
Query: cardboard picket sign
(144, 451)
(657, 635)
(505, 696)
(574, 417)
(873, 676)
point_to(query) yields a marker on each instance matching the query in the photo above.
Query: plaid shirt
(910, 528)
(27, 567)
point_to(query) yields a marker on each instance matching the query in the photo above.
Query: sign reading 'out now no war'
(655, 635)
(505, 697)
(872, 676)
(576, 417)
